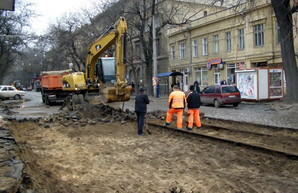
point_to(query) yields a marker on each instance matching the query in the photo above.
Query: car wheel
(216, 103)
(17, 97)
(235, 104)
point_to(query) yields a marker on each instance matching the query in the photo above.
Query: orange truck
(51, 86)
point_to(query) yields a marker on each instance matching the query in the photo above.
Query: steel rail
(229, 141)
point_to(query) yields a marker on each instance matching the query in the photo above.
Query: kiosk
(260, 84)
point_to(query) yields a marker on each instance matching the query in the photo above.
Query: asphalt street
(274, 113)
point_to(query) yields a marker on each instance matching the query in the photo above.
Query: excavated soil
(108, 156)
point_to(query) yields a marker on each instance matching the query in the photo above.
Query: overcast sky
(49, 10)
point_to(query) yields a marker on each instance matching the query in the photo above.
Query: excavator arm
(102, 74)
(114, 36)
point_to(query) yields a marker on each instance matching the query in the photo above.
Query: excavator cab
(106, 70)
(111, 89)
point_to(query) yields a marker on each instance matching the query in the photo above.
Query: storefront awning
(169, 74)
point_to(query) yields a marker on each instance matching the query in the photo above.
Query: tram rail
(273, 143)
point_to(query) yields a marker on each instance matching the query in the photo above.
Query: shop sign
(209, 66)
(213, 62)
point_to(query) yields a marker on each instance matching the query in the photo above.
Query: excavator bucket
(114, 94)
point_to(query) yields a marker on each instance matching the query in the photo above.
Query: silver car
(7, 92)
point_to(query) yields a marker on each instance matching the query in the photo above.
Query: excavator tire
(69, 103)
(76, 101)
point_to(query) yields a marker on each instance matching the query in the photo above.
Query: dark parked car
(221, 95)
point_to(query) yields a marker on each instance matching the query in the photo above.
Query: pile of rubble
(11, 166)
(98, 114)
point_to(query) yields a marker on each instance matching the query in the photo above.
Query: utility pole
(154, 55)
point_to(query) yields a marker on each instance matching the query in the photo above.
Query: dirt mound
(98, 150)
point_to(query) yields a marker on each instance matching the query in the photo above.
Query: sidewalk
(273, 113)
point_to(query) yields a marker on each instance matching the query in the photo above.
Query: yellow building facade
(212, 48)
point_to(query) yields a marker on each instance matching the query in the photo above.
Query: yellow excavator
(103, 75)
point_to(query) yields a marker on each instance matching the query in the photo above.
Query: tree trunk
(285, 22)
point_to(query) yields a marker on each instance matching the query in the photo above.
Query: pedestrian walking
(132, 87)
(193, 104)
(157, 90)
(176, 103)
(141, 102)
(196, 87)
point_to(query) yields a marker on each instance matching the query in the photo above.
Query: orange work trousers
(179, 114)
(194, 115)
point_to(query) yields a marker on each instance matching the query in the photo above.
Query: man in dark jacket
(141, 102)
(193, 104)
(196, 87)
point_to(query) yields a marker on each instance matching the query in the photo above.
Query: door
(216, 78)
(207, 95)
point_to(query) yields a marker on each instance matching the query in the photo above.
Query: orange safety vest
(177, 100)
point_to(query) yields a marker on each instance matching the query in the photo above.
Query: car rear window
(229, 89)
(209, 90)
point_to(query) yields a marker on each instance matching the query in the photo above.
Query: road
(274, 113)
(30, 106)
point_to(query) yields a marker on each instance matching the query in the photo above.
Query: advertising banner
(246, 83)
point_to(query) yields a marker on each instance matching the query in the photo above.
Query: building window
(205, 46)
(229, 41)
(195, 49)
(278, 37)
(182, 51)
(173, 52)
(216, 44)
(137, 50)
(259, 34)
(158, 47)
(241, 39)
(201, 75)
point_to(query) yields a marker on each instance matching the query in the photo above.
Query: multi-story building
(213, 47)
(167, 12)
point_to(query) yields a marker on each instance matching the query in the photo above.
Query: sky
(50, 10)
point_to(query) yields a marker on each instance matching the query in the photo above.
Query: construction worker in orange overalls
(176, 103)
(193, 104)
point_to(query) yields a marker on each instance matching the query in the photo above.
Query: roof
(169, 74)
(61, 72)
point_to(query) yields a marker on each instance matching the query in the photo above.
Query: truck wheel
(47, 102)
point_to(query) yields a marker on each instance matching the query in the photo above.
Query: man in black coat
(193, 104)
(141, 102)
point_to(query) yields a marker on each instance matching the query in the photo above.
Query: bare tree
(140, 14)
(13, 37)
(283, 12)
